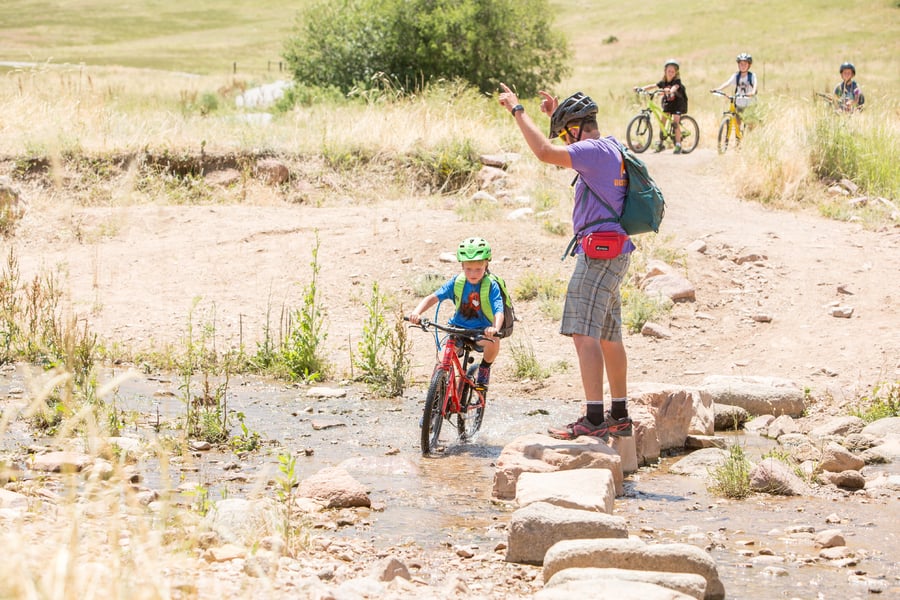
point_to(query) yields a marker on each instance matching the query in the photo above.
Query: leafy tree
(352, 44)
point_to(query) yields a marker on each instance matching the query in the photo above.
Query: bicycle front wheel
(639, 133)
(690, 134)
(724, 134)
(472, 408)
(432, 417)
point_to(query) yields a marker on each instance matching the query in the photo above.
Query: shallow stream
(760, 545)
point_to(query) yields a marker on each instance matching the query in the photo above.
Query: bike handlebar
(475, 335)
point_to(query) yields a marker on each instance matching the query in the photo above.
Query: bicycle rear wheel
(434, 405)
(690, 134)
(639, 133)
(724, 134)
(472, 408)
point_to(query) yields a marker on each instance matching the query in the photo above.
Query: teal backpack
(509, 314)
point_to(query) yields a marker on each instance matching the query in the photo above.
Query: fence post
(234, 67)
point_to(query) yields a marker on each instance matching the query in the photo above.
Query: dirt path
(136, 273)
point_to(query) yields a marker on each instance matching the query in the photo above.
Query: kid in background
(847, 91)
(744, 82)
(674, 102)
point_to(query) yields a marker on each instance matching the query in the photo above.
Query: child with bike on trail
(847, 92)
(474, 253)
(674, 100)
(592, 311)
(744, 82)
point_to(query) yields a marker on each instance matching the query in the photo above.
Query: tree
(356, 43)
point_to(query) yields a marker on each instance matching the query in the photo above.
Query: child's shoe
(619, 427)
(677, 149)
(659, 147)
(483, 378)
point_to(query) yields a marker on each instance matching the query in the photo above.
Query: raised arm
(542, 148)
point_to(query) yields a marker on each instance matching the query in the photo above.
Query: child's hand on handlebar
(413, 318)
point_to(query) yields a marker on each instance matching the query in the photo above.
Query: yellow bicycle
(640, 129)
(732, 126)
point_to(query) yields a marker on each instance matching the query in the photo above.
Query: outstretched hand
(549, 103)
(507, 97)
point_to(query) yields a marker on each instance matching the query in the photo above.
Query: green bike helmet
(473, 248)
(575, 107)
(847, 65)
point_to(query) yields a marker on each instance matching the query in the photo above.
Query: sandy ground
(138, 273)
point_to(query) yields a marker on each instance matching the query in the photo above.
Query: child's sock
(594, 412)
(618, 408)
(484, 374)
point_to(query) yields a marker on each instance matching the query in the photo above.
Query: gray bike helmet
(673, 62)
(847, 65)
(473, 248)
(575, 107)
(744, 56)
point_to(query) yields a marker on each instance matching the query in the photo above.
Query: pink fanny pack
(603, 245)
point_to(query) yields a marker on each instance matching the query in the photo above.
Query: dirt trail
(135, 272)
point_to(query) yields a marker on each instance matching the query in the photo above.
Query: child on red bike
(674, 101)
(471, 313)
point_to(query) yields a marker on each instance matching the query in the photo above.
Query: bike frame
(456, 378)
(666, 124)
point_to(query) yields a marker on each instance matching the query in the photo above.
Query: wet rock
(536, 527)
(542, 454)
(838, 426)
(390, 568)
(326, 392)
(729, 417)
(60, 462)
(632, 553)
(697, 442)
(836, 458)
(699, 463)
(336, 488)
(757, 395)
(780, 426)
(772, 476)
(689, 584)
(829, 538)
(582, 489)
(759, 424)
(848, 480)
(836, 553)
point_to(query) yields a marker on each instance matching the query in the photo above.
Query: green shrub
(405, 44)
(882, 402)
(447, 168)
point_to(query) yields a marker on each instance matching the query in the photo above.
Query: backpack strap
(484, 293)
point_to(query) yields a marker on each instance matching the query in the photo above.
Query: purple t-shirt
(599, 165)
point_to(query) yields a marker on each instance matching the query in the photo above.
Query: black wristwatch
(516, 109)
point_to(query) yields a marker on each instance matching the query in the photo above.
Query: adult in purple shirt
(592, 315)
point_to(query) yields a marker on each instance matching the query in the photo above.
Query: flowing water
(759, 544)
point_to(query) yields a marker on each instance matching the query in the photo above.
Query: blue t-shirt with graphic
(470, 314)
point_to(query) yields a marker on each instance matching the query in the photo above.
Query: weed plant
(731, 479)
(881, 403)
(382, 353)
(525, 363)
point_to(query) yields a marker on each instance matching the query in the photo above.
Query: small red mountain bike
(452, 394)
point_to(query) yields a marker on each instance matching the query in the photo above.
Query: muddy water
(760, 545)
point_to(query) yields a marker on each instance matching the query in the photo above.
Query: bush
(353, 44)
